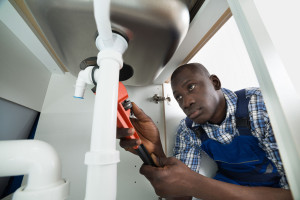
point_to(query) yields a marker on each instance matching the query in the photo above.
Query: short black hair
(192, 67)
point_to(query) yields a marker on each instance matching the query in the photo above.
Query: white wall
(225, 55)
(23, 78)
(282, 24)
(66, 123)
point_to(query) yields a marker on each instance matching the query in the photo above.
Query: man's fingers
(158, 161)
(129, 143)
(155, 159)
(125, 142)
(139, 113)
(147, 171)
(124, 132)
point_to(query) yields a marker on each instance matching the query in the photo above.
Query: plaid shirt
(188, 145)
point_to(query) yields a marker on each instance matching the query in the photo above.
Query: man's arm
(175, 179)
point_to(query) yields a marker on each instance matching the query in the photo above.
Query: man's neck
(220, 114)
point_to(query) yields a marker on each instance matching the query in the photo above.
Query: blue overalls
(241, 162)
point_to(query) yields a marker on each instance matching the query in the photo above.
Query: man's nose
(188, 100)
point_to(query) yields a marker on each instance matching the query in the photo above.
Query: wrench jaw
(123, 121)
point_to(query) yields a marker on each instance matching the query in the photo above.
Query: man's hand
(175, 179)
(171, 180)
(147, 131)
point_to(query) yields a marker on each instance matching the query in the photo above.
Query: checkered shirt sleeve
(187, 147)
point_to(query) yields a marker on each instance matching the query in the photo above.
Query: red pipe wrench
(123, 121)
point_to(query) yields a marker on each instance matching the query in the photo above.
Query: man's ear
(215, 81)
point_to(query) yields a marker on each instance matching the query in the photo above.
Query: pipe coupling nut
(110, 54)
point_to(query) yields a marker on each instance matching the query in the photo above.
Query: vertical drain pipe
(103, 157)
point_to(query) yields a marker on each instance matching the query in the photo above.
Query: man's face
(196, 95)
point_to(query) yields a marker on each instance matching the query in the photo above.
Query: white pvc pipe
(36, 158)
(105, 111)
(39, 161)
(84, 77)
(103, 158)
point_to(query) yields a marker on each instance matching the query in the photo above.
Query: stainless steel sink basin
(154, 28)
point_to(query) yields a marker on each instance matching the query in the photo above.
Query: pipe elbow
(84, 78)
(40, 161)
(46, 166)
(36, 158)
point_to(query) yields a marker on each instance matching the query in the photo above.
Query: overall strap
(242, 113)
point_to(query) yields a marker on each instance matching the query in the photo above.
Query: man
(248, 159)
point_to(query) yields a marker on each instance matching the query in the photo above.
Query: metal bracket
(157, 98)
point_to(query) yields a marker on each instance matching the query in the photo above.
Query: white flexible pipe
(102, 17)
(37, 159)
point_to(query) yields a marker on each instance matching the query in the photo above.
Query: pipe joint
(119, 43)
(59, 191)
(102, 157)
(109, 54)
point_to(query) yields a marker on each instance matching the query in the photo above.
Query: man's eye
(191, 87)
(178, 98)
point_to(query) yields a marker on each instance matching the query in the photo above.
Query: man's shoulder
(256, 99)
(250, 91)
(183, 127)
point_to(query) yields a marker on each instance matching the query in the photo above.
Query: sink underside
(154, 31)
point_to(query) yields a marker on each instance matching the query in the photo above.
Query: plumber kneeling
(233, 128)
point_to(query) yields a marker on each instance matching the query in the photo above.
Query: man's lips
(194, 114)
